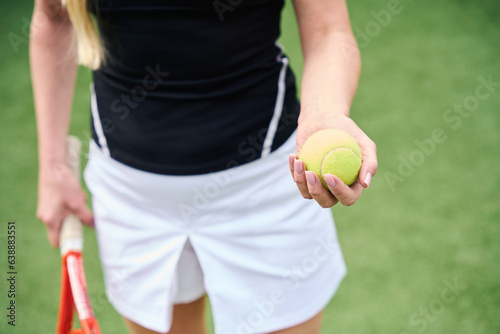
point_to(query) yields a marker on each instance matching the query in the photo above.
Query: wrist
(51, 156)
(53, 168)
(315, 114)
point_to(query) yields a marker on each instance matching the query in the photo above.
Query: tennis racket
(74, 293)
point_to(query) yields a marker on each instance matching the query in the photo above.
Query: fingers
(309, 184)
(79, 208)
(299, 176)
(370, 164)
(53, 237)
(52, 221)
(85, 215)
(316, 189)
(291, 162)
(311, 187)
(53, 214)
(345, 194)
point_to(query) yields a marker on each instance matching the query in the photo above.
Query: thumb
(369, 167)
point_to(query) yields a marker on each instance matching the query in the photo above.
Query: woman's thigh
(311, 326)
(187, 319)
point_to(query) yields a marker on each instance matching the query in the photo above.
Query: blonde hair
(90, 49)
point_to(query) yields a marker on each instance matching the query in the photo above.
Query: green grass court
(429, 221)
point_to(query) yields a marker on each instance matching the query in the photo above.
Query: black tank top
(191, 86)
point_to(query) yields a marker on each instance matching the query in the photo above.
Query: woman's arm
(331, 71)
(53, 72)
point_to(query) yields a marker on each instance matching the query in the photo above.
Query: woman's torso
(192, 87)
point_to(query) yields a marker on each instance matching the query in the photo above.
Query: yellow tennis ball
(331, 151)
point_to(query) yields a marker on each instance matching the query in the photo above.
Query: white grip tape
(71, 244)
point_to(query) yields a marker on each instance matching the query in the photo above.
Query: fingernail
(368, 179)
(330, 181)
(311, 180)
(299, 168)
(291, 158)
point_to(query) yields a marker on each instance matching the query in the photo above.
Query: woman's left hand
(309, 183)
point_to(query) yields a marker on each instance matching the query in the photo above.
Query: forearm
(332, 66)
(53, 72)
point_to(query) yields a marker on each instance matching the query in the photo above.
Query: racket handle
(71, 235)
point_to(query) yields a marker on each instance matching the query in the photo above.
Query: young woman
(194, 114)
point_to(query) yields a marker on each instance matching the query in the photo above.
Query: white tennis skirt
(267, 258)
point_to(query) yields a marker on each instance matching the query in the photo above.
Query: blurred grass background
(411, 235)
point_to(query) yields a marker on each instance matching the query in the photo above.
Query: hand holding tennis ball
(332, 151)
(332, 166)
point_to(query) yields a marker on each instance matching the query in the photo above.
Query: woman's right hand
(60, 194)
